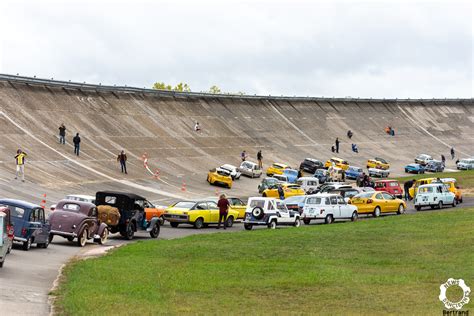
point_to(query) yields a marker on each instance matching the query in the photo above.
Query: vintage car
(291, 175)
(10, 230)
(391, 186)
(378, 163)
(336, 162)
(322, 175)
(289, 189)
(465, 164)
(345, 192)
(311, 165)
(6, 235)
(308, 184)
(266, 183)
(200, 214)
(328, 207)
(379, 173)
(219, 176)
(414, 168)
(233, 170)
(29, 223)
(423, 159)
(276, 168)
(269, 212)
(250, 169)
(434, 166)
(77, 220)
(77, 197)
(434, 195)
(236, 204)
(377, 202)
(353, 172)
(128, 213)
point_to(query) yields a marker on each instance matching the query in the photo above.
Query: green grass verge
(390, 265)
(464, 178)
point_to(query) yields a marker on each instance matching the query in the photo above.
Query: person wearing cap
(223, 205)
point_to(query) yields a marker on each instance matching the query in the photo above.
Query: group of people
(244, 156)
(76, 140)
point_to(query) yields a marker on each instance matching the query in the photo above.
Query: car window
(71, 207)
(393, 184)
(281, 207)
(425, 190)
(300, 182)
(201, 206)
(110, 200)
(257, 203)
(379, 196)
(387, 196)
(35, 215)
(93, 212)
(236, 202)
(340, 200)
(313, 200)
(270, 206)
(379, 184)
(351, 193)
(333, 200)
(184, 204)
(17, 212)
(212, 205)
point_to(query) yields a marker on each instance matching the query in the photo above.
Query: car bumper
(61, 233)
(176, 218)
(255, 222)
(19, 239)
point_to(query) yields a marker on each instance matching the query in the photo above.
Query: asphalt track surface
(28, 276)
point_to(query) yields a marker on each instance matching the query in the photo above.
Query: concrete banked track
(161, 124)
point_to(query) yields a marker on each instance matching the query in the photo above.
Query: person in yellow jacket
(20, 164)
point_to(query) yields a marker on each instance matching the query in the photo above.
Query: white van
(329, 207)
(308, 184)
(434, 195)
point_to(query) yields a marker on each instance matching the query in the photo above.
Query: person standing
(197, 127)
(406, 187)
(452, 153)
(62, 134)
(259, 159)
(223, 205)
(443, 160)
(281, 192)
(243, 155)
(122, 158)
(77, 141)
(337, 144)
(20, 164)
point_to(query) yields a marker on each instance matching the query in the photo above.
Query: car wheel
(50, 237)
(27, 244)
(273, 224)
(174, 224)
(155, 231)
(354, 217)
(230, 221)
(199, 223)
(454, 203)
(248, 226)
(401, 209)
(82, 238)
(377, 212)
(103, 237)
(329, 219)
(417, 207)
(440, 204)
(70, 238)
(406, 170)
(297, 223)
(43, 245)
(257, 212)
(306, 221)
(130, 231)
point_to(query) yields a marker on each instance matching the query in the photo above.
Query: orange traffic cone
(183, 187)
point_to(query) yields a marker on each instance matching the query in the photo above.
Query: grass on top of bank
(390, 265)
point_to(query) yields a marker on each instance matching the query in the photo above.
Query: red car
(10, 232)
(391, 186)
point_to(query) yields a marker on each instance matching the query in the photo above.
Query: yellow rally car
(378, 163)
(276, 168)
(236, 204)
(377, 202)
(197, 213)
(288, 189)
(219, 176)
(337, 162)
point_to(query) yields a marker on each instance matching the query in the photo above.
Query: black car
(311, 165)
(435, 166)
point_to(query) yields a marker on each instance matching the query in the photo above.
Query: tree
(181, 87)
(215, 90)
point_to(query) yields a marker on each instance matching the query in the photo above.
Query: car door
(238, 205)
(389, 202)
(283, 213)
(343, 209)
(212, 212)
(334, 207)
(36, 224)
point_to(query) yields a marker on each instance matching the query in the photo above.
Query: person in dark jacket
(443, 160)
(452, 153)
(76, 140)
(259, 159)
(337, 145)
(122, 158)
(223, 205)
(281, 193)
(62, 134)
(349, 134)
(406, 187)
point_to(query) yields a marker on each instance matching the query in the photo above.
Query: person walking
(281, 193)
(197, 127)
(443, 160)
(122, 158)
(406, 188)
(452, 153)
(62, 134)
(243, 155)
(259, 159)
(20, 164)
(223, 205)
(77, 141)
(337, 145)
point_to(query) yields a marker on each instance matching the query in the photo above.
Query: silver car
(374, 172)
(465, 164)
(250, 169)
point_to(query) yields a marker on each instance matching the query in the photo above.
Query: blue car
(322, 175)
(353, 172)
(29, 223)
(414, 168)
(296, 203)
(291, 175)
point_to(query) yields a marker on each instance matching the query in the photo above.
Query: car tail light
(349, 202)
(23, 232)
(369, 201)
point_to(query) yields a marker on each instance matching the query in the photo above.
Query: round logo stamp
(454, 282)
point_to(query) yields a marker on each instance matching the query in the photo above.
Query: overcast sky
(319, 48)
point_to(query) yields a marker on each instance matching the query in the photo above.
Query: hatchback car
(311, 165)
(276, 168)
(465, 164)
(435, 166)
(288, 190)
(250, 169)
(233, 170)
(291, 175)
(434, 195)
(220, 177)
(310, 185)
(266, 183)
(328, 207)
(391, 186)
(353, 172)
(337, 162)
(378, 163)
(423, 159)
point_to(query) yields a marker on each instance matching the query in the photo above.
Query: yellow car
(414, 188)
(219, 176)
(200, 214)
(378, 163)
(276, 168)
(450, 183)
(236, 204)
(377, 202)
(288, 189)
(337, 162)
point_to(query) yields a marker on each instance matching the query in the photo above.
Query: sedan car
(423, 159)
(414, 168)
(250, 169)
(233, 170)
(377, 202)
(353, 172)
(197, 213)
(378, 163)
(380, 173)
(219, 176)
(276, 168)
(288, 189)
(311, 165)
(77, 220)
(435, 166)
(337, 162)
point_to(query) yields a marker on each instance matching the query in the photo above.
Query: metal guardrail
(125, 89)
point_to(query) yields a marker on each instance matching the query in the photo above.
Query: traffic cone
(183, 187)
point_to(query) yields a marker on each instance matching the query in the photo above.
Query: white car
(308, 184)
(465, 164)
(374, 172)
(233, 170)
(328, 207)
(270, 212)
(250, 169)
(77, 197)
(434, 195)
(423, 159)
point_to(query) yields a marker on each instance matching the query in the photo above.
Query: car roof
(280, 164)
(435, 184)
(123, 194)
(387, 180)
(81, 196)
(82, 205)
(228, 166)
(19, 203)
(308, 178)
(325, 194)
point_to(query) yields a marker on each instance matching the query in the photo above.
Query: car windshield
(381, 160)
(246, 165)
(184, 204)
(295, 199)
(222, 172)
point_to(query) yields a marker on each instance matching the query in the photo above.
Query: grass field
(390, 265)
